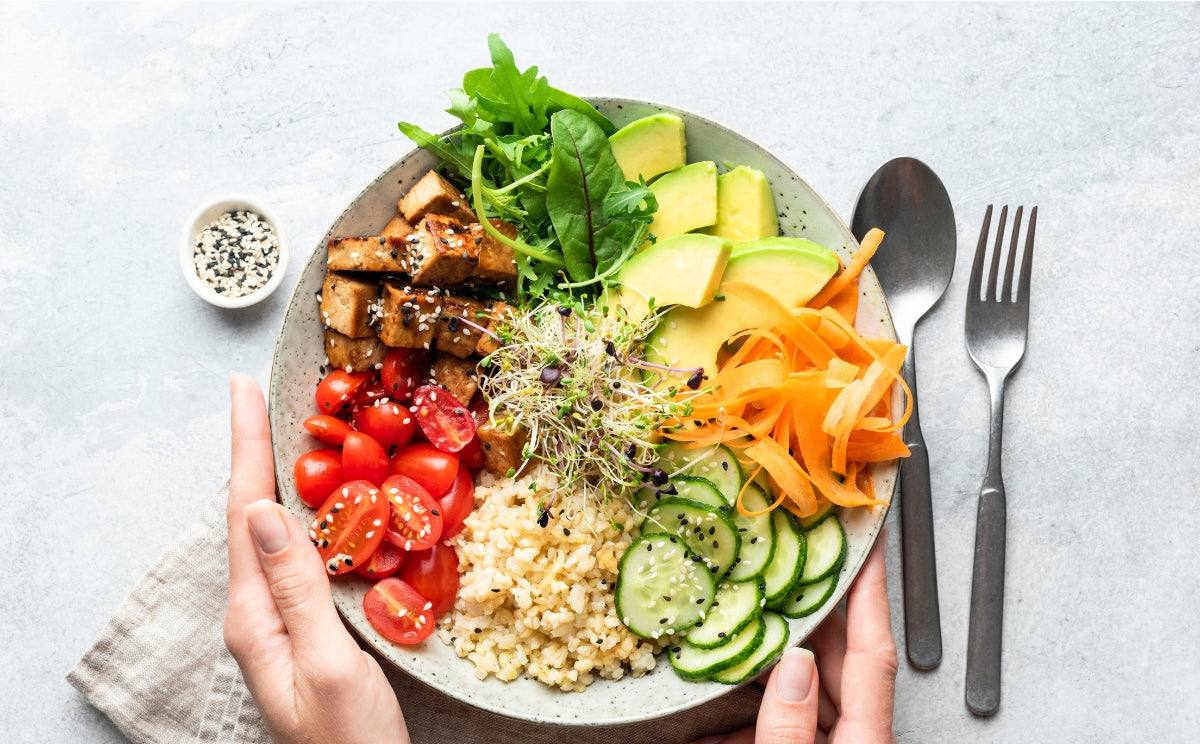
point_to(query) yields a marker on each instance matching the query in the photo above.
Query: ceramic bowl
(205, 215)
(297, 370)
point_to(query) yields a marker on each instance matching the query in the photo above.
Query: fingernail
(795, 675)
(267, 526)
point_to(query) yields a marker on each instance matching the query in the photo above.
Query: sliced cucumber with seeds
(758, 536)
(707, 531)
(823, 511)
(774, 640)
(826, 549)
(661, 589)
(787, 565)
(806, 599)
(687, 487)
(692, 662)
(735, 607)
(715, 464)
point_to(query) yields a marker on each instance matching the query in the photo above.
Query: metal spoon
(914, 264)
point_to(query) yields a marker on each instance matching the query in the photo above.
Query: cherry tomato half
(368, 393)
(383, 562)
(349, 526)
(457, 503)
(416, 519)
(434, 574)
(446, 422)
(329, 429)
(402, 372)
(398, 612)
(364, 459)
(338, 388)
(427, 465)
(387, 422)
(317, 473)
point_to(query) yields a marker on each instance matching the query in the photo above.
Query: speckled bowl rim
(704, 692)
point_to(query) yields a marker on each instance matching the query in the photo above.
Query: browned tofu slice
(460, 377)
(379, 254)
(453, 336)
(501, 448)
(435, 195)
(408, 317)
(497, 263)
(496, 312)
(397, 227)
(443, 252)
(353, 354)
(347, 303)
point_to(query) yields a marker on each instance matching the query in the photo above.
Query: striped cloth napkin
(160, 671)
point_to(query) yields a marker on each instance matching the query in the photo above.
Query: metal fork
(995, 333)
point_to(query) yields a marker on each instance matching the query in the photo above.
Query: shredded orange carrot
(848, 276)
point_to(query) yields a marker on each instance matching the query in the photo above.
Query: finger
(298, 582)
(788, 714)
(251, 477)
(871, 662)
(828, 643)
(827, 712)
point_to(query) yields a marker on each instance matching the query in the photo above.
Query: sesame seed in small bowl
(233, 252)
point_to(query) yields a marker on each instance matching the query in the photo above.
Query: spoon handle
(922, 617)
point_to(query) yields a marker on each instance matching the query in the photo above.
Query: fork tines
(1006, 289)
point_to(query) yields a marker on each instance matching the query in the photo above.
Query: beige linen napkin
(160, 671)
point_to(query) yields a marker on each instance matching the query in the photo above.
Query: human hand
(310, 679)
(855, 655)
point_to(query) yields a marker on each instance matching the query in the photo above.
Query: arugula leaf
(560, 100)
(434, 144)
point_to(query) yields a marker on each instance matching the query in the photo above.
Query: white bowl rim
(207, 212)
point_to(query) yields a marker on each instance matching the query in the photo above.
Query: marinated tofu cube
(435, 195)
(497, 262)
(378, 254)
(454, 336)
(443, 253)
(460, 377)
(496, 312)
(354, 354)
(348, 304)
(501, 448)
(397, 227)
(408, 318)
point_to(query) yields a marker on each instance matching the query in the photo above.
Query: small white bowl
(206, 214)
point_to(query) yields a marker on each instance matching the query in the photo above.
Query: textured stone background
(116, 121)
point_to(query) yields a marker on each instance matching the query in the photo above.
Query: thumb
(295, 574)
(789, 706)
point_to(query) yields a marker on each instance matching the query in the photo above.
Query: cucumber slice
(687, 487)
(826, 550)
(773, 642)
(735, 607)
(787, 565)
(661, 589)
(692, 662)
(758, 536)
(808, 598)
(707, 531)
(823, 511)
(715, 464)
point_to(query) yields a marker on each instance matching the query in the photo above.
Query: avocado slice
(745, 206)
(687, 199)
(681, 270)
(779, 241)
(650, 146)
(688, 338)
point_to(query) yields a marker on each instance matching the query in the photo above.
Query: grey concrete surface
(117, 120)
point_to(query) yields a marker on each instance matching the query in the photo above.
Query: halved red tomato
(317, 473)
(434, 574)
(403, 371)
(416, 521)
(368, 393)
(427, 465)
(364, 459)
(447, 423)
(349, 526)
(329, 429)
(398, 612)
(387, 422)
(383, 562)
(457, 503)
(338, 388)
